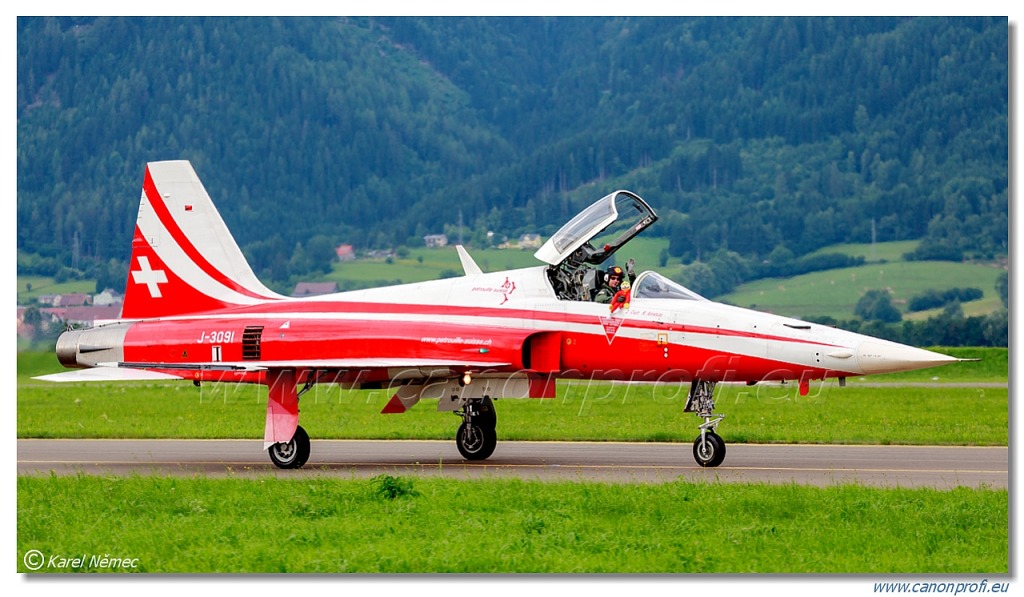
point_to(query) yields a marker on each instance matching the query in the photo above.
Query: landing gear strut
(709, 447)
(476, 437)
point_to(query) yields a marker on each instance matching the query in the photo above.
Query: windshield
(652, 285)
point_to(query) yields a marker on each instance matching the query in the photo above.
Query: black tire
(486, 415)
(476, 442)
(293, 453)
(712, 453)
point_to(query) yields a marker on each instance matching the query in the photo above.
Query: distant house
(436, 240)
(526, 241)
(24, 330)
(314, 288)
(345, 253)
(85, 316)
(107, 297)
(74, 299)
(529, 241)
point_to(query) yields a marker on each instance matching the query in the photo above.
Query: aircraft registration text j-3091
(447, 340)
(217, 337)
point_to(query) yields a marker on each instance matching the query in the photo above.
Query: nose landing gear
(709, 447)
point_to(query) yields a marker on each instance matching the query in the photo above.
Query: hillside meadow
(835, 293)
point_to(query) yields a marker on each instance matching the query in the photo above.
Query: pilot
(613, 282)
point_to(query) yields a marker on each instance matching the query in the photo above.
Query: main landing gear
(476, 437)
(709, 447)
(283, 410)
(293, 453)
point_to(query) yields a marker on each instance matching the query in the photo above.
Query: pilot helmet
(615, 272)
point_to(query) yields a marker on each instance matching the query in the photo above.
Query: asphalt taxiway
(821, 465)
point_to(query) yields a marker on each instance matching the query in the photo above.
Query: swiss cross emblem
(150, 277)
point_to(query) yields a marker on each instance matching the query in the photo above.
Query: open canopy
(599, 230)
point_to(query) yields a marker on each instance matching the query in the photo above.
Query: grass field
(43, 285)
(405, 525)
(581, 411)
(835, 292)
(873, 253)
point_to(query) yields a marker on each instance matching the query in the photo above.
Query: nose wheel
(709, 449)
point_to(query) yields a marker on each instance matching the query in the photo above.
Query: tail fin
(184, 259)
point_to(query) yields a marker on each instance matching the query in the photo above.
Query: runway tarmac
(616, 462)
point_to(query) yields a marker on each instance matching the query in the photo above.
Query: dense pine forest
(758, 140)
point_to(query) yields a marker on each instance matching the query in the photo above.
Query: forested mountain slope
(744, 133)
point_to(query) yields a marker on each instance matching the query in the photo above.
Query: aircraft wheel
(485, 414)
(293, 453)
(712, 453)
(476, 442)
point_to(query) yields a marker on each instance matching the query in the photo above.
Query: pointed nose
(880, 356)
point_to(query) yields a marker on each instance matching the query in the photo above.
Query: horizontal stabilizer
(107, 374)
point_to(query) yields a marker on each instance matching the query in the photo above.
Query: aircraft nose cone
(880, 356)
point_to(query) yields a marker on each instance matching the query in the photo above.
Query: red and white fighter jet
(194, 310)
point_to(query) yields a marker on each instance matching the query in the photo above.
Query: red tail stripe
(164, 215)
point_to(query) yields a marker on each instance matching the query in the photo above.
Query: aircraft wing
(370, 363)
(141, 371)
(107, 374)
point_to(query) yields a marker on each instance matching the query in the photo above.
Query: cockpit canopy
(593, 236)
(652, 285)
(599, 230)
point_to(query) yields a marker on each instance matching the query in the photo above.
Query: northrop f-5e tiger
(194, 310)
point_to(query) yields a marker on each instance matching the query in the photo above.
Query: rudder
(184, 258)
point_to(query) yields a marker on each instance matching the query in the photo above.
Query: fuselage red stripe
(286, 308)
(164, 215)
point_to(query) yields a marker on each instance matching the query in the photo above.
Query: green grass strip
(404, 525)
(616, 412)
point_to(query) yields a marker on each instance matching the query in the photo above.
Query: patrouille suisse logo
(505, 290)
